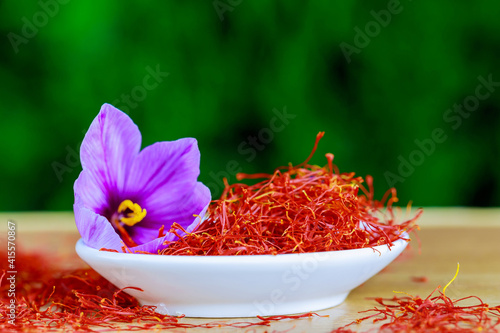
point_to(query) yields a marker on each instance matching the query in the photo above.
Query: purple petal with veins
(124, 195)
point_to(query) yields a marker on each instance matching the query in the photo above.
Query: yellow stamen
(444, 289)
(133, 217)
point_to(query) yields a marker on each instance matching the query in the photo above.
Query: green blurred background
(254, 82)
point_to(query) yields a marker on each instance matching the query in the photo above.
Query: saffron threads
(432, 314)
(297, 209)
(49, 299)
(420, 279)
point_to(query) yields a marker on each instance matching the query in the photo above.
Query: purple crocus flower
(125, 195)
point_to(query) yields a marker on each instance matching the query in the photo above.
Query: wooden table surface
(447, 235)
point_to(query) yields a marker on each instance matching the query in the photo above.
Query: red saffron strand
(49, 299)
(432, 314)
(420, 279)
(306, 208)
(318, 137)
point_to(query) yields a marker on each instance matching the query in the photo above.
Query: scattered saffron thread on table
(432, 314)
(453, 279)
(296, 209)
(50, 299)
(420, 279)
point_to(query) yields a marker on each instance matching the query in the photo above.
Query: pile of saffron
(296, 209)
(432, 314)
(50, 299)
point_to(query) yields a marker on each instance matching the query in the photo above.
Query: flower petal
(194, 203)
(107, 152)
(163, 180)
(165, 168)
(89, 191)
(95, 229)
(154, 246)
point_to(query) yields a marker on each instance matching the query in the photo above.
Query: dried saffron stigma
(50, 299)
(432, 314)
(296, 209)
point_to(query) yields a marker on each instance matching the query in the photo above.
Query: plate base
(243, 310)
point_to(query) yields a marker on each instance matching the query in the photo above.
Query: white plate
(241, 286)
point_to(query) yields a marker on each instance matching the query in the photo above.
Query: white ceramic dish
(241, 286)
